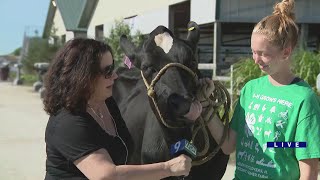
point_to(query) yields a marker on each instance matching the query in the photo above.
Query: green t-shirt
(268, 113)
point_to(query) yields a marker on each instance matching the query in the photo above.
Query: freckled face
(104, 83)
(268, 57)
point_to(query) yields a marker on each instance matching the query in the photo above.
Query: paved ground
(22, 146)
(229, 174)
(23, 121)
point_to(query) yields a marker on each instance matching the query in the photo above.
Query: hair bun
(285, 8)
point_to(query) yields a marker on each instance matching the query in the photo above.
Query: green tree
(121, 28)
(39, 51)
(17, 51)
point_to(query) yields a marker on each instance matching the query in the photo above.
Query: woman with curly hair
(86, 137)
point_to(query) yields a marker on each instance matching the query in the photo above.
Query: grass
(29, 79)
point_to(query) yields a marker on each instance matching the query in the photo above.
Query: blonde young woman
(279, 107)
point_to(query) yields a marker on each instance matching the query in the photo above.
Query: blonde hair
(280, 27)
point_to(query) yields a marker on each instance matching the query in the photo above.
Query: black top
(295, 80)
(69, 137)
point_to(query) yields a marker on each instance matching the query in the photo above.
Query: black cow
(173, 94)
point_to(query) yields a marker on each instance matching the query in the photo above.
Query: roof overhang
(76, 15)
(49, 20)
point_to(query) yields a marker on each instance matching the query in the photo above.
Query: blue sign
(183, 146)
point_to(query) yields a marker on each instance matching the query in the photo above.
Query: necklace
(100, 117)
(99, 114)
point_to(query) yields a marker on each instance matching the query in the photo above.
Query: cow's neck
(174, 135)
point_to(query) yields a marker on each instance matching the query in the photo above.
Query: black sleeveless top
(69, 137)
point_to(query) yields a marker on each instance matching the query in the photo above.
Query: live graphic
(286, 144)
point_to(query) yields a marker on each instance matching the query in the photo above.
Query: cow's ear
(193, 34)
(130, 50)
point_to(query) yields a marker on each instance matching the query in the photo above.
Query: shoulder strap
(295, 80)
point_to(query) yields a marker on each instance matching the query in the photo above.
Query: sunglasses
(107, 72)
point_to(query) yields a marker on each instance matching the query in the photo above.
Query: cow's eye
(144, 68)
(153, 70)
(150, 70)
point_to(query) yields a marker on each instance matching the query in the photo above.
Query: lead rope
(211, 98)
(151, 92)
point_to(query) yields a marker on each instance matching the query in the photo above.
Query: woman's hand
(194, 111)
(179, 166)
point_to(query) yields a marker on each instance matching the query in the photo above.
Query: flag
(127, 62)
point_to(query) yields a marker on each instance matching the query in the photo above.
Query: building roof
(71, 12)
(49, 20)
(76, 14)
(9, 58)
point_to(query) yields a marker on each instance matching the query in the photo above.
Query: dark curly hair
(70, 79)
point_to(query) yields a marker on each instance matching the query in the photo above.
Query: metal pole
(216, 46)
(318, 83)
(231, 86)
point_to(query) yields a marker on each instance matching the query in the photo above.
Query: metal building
(226, 25)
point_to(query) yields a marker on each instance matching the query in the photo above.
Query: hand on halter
(205, 89)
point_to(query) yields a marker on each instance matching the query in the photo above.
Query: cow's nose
(174, 100)
(178, 105)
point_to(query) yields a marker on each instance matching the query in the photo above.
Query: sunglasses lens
(108, 71)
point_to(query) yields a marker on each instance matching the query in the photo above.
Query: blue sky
(17, 17)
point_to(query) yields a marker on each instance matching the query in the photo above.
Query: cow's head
(175, 90)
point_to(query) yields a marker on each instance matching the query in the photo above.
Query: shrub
(29, 79)
(121, 28)
(243, 71)
(306, 65)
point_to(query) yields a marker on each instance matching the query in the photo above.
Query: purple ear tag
(127, 62)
